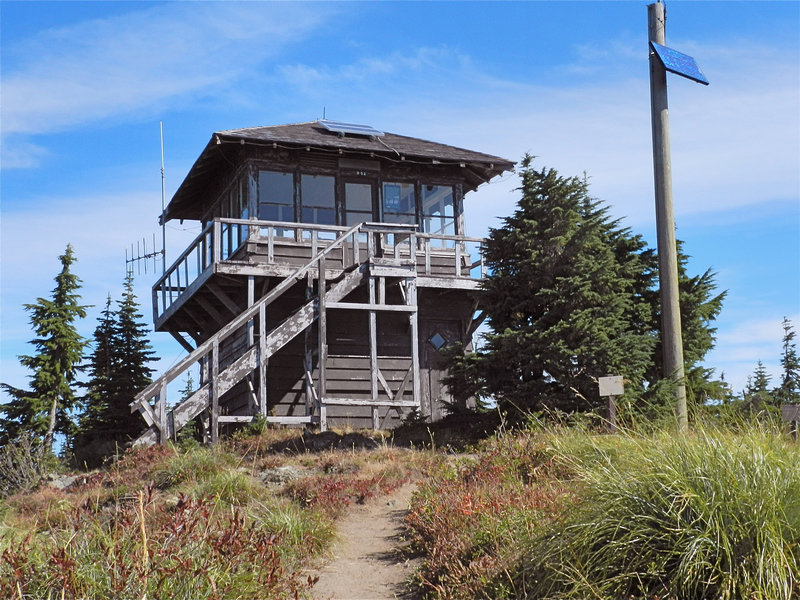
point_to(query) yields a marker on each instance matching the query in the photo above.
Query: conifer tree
(45, 409)
(563, 301)
(572, 296)
(119, 370)
(100, 369)
(757, 392)
(789, 389)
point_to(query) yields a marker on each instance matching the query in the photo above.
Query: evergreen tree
(572, 296)
(789, 389)
(100, 385)
(45, 409)
(757, 394)
(119, 371)
(564, 299)
(699, 307)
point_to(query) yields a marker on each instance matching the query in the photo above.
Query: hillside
(536, 513)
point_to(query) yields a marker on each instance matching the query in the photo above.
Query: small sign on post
(791, 414)
(611, 386)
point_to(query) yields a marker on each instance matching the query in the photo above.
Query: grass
(570, 514)
(185, 523)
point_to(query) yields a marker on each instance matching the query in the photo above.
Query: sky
(84, 86)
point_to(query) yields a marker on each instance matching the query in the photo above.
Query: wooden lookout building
(331, 267)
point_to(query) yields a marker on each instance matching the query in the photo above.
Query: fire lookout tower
(331, 267)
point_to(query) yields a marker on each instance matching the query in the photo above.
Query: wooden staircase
(164, 423)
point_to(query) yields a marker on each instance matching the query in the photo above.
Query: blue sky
(85, 84)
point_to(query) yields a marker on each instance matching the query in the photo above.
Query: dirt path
(366, 564)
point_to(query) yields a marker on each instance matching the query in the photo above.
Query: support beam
(322, 328)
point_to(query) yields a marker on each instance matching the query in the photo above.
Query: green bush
(712, 515)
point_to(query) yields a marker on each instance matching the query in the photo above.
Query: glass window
(318, 199)
(398, 203)
(357, 203)
(276, 196)
(438, 215)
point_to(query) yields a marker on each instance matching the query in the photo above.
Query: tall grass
(712, 515)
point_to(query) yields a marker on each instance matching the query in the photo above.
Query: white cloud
(118, 66)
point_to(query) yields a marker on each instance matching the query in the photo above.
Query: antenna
(139, 255)
(163, 204)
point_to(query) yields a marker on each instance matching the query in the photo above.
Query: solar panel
(351, 128)
(678, 63)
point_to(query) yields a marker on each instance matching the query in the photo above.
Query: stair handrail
(246, 315)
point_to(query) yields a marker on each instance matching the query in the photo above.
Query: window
(276, 196)
(357, 203)
(398, 203)
(438, 214)
(317, 193)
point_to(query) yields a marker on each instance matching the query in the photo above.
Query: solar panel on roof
(678, 63)
(351, 128)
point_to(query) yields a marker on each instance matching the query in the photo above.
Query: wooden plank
(402, 389)
(373, 351)
(373, 307)
(191, 407)
(367, 402)
(210, 310)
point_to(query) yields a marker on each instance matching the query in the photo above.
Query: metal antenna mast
(663, 59)
(163, 205)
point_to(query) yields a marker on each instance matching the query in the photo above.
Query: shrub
(713, 515)
(23, 464)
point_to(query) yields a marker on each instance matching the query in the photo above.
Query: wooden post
(322, 327)
(411, 291)
(671, 338)
(161, 414)
(612, 414)
(308, 355)
(262, 360)
(214, 425)
(373, 352)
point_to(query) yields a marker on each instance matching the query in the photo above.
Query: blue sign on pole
(678, 63)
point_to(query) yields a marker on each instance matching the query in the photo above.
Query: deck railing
(221, 240)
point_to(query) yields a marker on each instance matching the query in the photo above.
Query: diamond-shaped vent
(437, 340)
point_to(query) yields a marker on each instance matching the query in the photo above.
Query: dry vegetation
(541, 512)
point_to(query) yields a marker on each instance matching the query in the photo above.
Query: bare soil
(367, 561)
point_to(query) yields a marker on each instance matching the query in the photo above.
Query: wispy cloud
(119, 66)
(734, 143)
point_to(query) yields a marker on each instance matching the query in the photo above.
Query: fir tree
(789, 389)
(699, 307)
(100, 385)
(119, 370)
(562, 299)
(757, 393)
(45, 409)
(572, 296)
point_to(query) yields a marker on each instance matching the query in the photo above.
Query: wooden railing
(221, 240)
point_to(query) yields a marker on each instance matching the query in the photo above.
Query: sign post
(611, 387)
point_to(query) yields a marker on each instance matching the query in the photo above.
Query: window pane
(398, 198)
(317, 191)
(437, 200)
(357, 203)
(275, 188)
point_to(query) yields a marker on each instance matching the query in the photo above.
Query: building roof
(313, 135)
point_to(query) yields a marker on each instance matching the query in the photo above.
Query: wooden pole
(665, 219)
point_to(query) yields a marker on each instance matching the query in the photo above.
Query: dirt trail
(366, 564)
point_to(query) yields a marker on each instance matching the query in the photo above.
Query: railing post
(216, 242)
(322, 327)
(161, 414)
(413, 318)
(214, 434)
